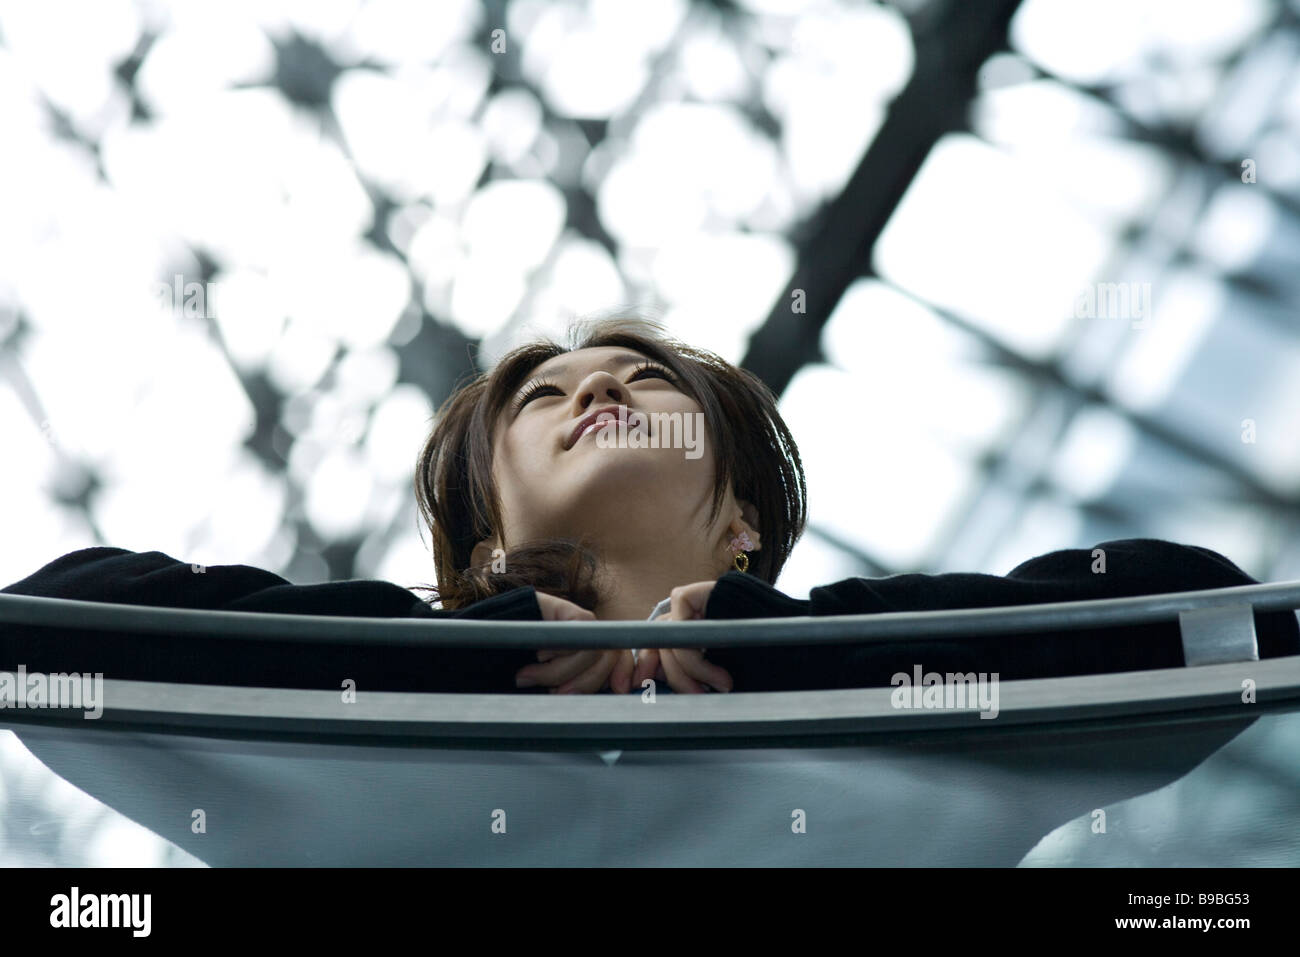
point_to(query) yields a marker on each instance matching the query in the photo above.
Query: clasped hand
(586, 672)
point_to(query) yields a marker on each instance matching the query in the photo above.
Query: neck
(632, 585)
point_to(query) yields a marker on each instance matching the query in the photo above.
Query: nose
(597, 388)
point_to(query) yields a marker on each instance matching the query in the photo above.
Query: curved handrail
(1210, 692)
(1034, 707)
(758, 632)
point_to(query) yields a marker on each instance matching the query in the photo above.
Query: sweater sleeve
(155, 579)
(1113, 569)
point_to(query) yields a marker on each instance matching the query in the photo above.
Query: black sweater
(1133, 567)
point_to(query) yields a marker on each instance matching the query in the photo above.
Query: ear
(748, 523)
(482, 553)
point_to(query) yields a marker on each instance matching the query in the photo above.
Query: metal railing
(758, 632)
(1217, 626)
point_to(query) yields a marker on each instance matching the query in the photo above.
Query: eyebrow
(622, 359)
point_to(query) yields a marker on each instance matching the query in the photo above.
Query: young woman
(628, 471)
(623, 476)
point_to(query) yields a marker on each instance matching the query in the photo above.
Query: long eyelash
(534, 386)
(531, 388)
(656, 367)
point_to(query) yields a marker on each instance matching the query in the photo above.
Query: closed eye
(540, 386)
(653, 369)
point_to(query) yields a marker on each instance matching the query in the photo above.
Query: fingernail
(525, 682)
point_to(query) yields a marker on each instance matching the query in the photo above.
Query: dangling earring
(741, 545)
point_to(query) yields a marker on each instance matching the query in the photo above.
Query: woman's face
(618, 494)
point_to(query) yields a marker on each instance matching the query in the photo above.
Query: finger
(620, 682)
(702, 670)
(554, 608)
(559, 670)
(697, 598)
(678, 679)
(593, 678)
(694, 663)
(647, 664)
(596, 677)
(546, 654)
(683, 608)
(573, 666)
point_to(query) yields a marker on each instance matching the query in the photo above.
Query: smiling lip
(589, 419)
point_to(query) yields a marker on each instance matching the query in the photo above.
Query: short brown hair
(754, 453)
